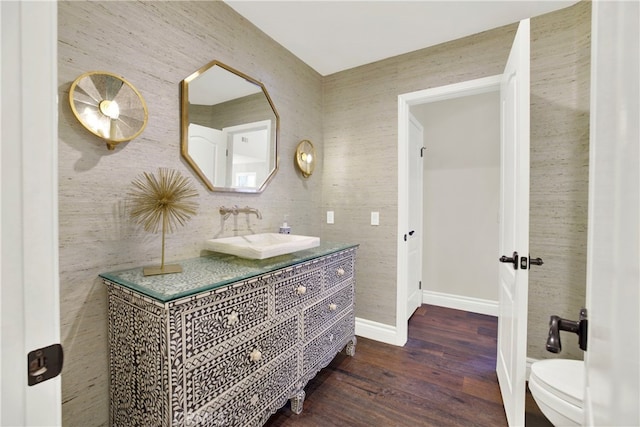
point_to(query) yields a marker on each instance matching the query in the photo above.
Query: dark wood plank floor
(444, 376)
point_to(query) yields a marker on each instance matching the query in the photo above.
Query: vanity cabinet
(207, 348)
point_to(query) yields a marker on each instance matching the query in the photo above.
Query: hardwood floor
(444, 376)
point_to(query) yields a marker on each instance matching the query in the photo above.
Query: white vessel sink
(261, 246)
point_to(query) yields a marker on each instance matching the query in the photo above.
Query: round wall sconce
(108, 106)
(306, 158)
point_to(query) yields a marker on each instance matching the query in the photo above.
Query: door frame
(29, 297)
(612, 379)
(405, 101)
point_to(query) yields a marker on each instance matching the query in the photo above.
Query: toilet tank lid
(562, 377)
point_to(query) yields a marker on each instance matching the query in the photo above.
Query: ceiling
(332, 35)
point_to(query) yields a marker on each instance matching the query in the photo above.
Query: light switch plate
(375, 218)
(329, 217)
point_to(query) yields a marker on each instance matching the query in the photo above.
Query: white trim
(459, 302)
(402, 327)
(376, 331)
(456, 90)
(530, 361)
(29, 199)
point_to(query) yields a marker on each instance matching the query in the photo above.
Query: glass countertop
(212, 271)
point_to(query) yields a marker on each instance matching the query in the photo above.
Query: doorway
(461, 193)
(407, 104)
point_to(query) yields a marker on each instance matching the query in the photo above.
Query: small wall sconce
(306, 158)
(108, 106)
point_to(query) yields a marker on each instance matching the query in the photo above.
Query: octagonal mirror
(229, 129)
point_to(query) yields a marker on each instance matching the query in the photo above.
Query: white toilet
(557, 386)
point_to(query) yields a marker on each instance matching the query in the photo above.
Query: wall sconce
(108, 106)
(306, 158)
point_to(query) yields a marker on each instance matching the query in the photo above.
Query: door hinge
(420, 284)
(44, 364)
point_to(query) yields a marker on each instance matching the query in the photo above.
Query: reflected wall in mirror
(229, 129)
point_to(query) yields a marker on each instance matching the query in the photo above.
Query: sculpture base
(156, 270)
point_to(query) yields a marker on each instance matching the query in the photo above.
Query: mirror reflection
(229, 129)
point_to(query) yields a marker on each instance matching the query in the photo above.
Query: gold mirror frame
(306, 157)
(191, 116)
(108, 106)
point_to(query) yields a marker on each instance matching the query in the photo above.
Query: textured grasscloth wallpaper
(155, 45)
(352, 118)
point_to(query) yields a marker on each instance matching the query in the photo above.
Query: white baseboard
(530, 361)
(376, 331)
(473, 305)
(388, 334)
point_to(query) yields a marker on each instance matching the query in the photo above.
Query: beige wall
(461, 195)
(155, 45)
(361, 145)
(360, 174)
(560, 80)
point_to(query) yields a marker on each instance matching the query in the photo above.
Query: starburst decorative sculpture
(162, 203)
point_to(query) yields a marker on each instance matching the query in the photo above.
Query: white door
(612, 359)
(29, 299)
(514, 228)
(208, 148)
(414, 235)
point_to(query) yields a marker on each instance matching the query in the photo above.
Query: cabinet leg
(350, 348)
(297, 401)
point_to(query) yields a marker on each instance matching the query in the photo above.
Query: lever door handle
(535, 261)
(411, 232)
(510, 260)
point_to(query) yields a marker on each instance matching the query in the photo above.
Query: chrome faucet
(235, 210)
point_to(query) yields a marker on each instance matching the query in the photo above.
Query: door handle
(535, 261)
(411, 232)
(510, 260)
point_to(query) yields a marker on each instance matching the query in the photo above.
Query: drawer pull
(340, 271)
(255, 355)
(301, 290)
(232, 318)
(333, 307)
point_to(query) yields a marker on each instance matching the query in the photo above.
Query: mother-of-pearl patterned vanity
(228, 341)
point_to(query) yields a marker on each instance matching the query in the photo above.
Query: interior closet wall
(461, 196)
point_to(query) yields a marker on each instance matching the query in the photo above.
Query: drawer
(321, 350)
(253, 400)
(324, 312)
(209, 375)
(338, 269)
(297, 286)
(203, 323)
